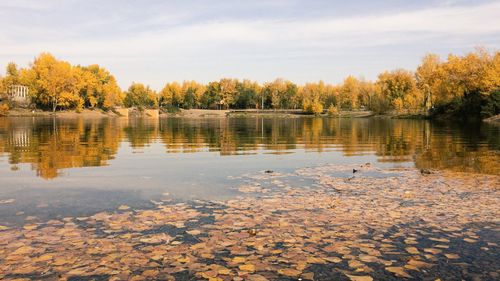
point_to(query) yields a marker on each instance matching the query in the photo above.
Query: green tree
(140, 96)
(192, 92)
(212, 95)
(171, 95)
(248, 94)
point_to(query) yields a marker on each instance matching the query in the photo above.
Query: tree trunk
(54, 104)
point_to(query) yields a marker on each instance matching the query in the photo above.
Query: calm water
(75, 167)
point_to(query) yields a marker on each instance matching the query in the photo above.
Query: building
(19, 94)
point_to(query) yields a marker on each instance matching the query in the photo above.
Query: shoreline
(87, 113)
(228, 113)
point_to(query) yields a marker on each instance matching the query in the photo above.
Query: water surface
(58, 167)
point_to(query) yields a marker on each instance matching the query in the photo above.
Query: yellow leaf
(412, 250)
(247, 267)
(238, 259)
(360, 278)
(452, 256)
(315, 260)
(398, 271)
(289, 272)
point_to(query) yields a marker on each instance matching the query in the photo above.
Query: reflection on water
(186, 199)
(51, 145)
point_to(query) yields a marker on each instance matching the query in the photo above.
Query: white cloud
(202, 42)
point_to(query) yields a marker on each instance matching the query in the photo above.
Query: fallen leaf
(360, 278)
(412, 250)
(238, 259)
(289, 272)
(398, 271)
(247, 267)
(452, 256)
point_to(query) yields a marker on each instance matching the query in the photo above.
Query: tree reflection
(51, 145)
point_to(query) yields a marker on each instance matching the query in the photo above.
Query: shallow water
(248, 199)
(76, 166)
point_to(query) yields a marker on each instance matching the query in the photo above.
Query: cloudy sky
(159, 41)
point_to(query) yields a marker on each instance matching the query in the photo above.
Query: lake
(59, 169)
(77, 165)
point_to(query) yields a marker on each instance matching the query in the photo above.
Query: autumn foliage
(55, 84)
(467, 85)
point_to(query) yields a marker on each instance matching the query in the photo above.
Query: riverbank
(493, 120)
(293, 113)
(211, 113)
(85, 113)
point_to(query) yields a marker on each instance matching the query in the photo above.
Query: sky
(155, 42)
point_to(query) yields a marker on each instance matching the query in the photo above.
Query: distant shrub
(314, 107)
(332, 110)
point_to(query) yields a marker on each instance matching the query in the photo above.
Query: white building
(19, 94)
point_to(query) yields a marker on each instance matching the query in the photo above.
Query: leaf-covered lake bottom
(321, 223)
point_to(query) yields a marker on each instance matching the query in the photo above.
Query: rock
(425, 171)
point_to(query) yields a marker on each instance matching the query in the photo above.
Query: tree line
(459, 85)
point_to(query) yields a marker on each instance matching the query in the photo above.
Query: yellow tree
(429, 78)
(3, 90)
(98, 87)
(112, 94)
(467, 74)
(56, 83)
(228, 91)
(281, 93)
(171, 95)
(312, 95)
(12, 77)
(400, 89)
(492, 75)
(367, 90)
(349, 92)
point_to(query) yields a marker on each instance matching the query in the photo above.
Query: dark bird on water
(354, 171)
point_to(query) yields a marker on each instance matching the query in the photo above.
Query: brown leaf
(412, 250)
(360, 278)
(247, 267)
(289, 272)
(398, 271)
